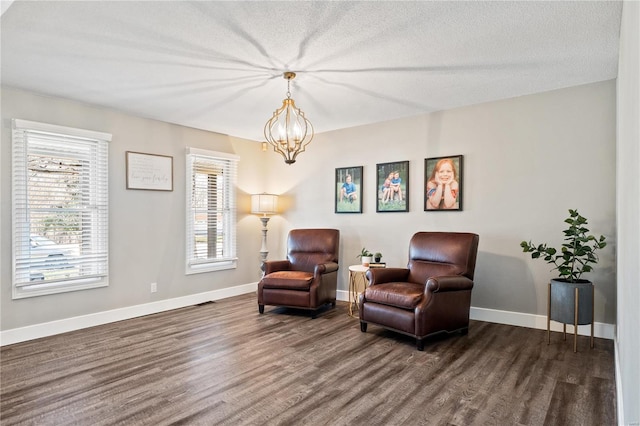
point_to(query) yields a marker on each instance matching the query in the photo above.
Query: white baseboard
(619, 395)
(22, 334)
(16, 335)
(601, 330)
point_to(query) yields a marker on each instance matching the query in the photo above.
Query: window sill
(45, 289)
(211, 267)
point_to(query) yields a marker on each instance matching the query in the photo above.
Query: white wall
(628, 216)
(527, 160)
(146, 227)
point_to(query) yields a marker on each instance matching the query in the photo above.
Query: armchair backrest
(308, 247)
(442, 253)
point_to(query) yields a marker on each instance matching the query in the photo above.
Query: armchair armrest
(325, 268)
(385, 275)
(448, 283)
(269, 266)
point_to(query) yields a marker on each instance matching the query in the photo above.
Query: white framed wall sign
(149, 171)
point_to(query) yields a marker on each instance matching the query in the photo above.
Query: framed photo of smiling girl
(443, 183)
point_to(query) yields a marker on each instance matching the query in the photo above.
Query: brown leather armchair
(308, 279)
(432, 295)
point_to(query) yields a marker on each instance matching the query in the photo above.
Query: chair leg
(420, 344)
(261, 309)
(363, 326)
(464, 331)
(333, 304)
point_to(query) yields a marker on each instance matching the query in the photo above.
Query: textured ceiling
(218, 65)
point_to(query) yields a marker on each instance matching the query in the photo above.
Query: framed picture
(443, 183)
(392, 187)
(149, 171)
(349, 189)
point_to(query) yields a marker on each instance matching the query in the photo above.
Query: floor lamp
(264, 204)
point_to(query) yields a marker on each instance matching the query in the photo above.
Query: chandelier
(288, 131)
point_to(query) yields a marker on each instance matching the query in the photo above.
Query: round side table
(357, 284)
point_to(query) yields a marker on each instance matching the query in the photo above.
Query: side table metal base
(357, 279)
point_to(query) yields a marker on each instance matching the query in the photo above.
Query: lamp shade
(264, 204)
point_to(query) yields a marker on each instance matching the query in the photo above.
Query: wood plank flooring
(223, 363)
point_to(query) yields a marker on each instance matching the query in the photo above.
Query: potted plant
(377, 257)
(577, 253)
(365, 256)
(575, 257)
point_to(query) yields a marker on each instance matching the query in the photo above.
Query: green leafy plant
(364, 253)
(578, 251)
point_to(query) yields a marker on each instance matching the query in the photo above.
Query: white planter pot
(366, 260)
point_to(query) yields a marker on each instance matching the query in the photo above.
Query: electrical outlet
(154, 287)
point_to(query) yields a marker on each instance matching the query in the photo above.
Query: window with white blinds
(211, 211)
(60, 209)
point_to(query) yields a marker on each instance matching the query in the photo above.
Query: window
(211, 211)
(60, 209)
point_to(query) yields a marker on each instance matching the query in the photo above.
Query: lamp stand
(263, 250)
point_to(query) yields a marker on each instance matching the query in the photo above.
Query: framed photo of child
(348, 188)
(392, 187)
(443, 183)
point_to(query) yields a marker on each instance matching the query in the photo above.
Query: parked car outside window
(49, 259)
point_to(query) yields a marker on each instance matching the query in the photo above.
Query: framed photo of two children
(392, 187)
(443, 183)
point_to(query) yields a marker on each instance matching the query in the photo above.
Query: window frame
(229, 220)
(94, 202)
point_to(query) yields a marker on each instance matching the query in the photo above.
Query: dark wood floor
(223, 363)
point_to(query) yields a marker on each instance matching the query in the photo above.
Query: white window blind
(211, 211)
(59, 208)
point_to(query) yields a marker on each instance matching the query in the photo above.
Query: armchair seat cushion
(398, 294)
(288, 280)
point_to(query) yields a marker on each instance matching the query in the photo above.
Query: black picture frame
(348, 201)
(453, 163)
(392, 196)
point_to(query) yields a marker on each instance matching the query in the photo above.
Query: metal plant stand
(570, 303)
